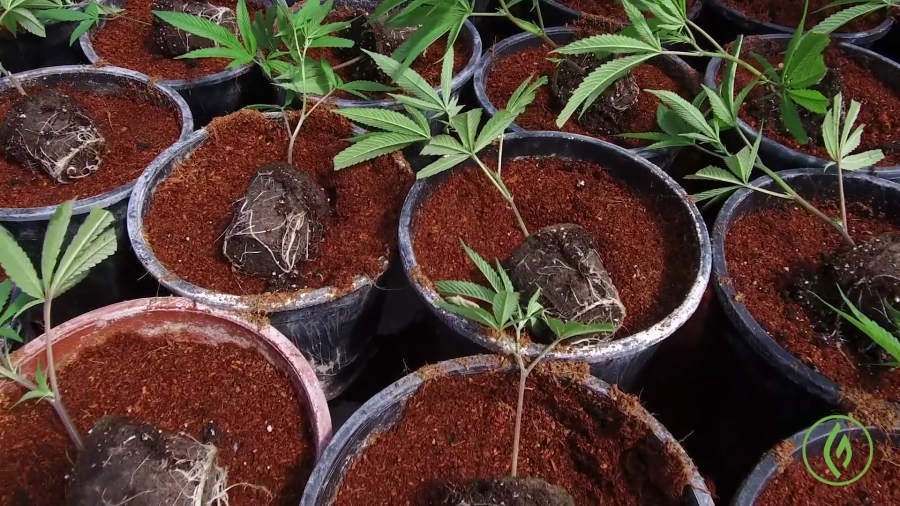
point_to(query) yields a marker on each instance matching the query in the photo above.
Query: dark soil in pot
(125, 42)
(638, 238)
(131, 145)
(848, 74)
(222, 394)
(607, 8)
(194, 206)
(773, 251)
(507, 74)
(788, 14)
(428, 64)
(594, 447)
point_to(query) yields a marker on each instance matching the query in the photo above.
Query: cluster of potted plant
(536, 223)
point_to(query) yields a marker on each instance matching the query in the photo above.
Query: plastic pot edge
(115, 195)
(400, 391)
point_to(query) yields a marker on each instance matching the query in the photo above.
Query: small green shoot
(94, 241)
(887, 341)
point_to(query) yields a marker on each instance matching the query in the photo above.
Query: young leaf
(567, 330)
(18, 267)
(686, 111)
(841, 18)
(444, 145)
(715, 174)
(607, 43)
(791, 119)
(373, 147)
(721, 111)
(200, 27)
(440, 165)
(472, 313)
(246, 27)
(493, 129)
(408, 80)
(714, 193)
(391, 121)
(486, 270)
(504, 305)
(447, 74)
(873, 330)
(810, 100)
(94, 225)
(95, 252)
(465, 289)
(53, 239)
(862, 160)
(524, 95)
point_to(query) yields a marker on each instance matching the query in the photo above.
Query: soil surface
(193, 207)
(125, 42)
(428, 64)
(768, 252)
(608, 8)
(457, 428)
(223, 394)
(509, 72)
(640, 239)
(797, 487)
(131, 146)
(788, 14)
(879, 104)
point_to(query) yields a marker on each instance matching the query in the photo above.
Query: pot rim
(106, 199)
(807, 160)
(401, 390)
(880, 30)
(619, 348)
(787, 363)
(145, 190)
(298, 367)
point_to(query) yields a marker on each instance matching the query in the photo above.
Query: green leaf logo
(839, 457)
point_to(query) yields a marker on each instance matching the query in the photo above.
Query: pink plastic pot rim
(298, 365)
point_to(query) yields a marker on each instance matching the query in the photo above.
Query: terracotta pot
(153, 318)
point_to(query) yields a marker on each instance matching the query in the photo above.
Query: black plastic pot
(208, 96)
(469, 36)
(112, 280)
(780, 157)
(773, 464)
(27, 51)
(803, 394)
(331, 328)
(385, 410)
(673, 66)
(730, 22)
(557, 14)
(619, 361)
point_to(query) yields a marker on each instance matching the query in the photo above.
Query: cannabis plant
(463, 139)
(879, 335)
(94, 241)
(30, 15)
(859, 9)
(509, 312)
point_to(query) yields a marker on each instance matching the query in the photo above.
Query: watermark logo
(839, 450)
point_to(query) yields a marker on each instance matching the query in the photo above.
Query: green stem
(13, 80)
(693, 26)
(57, 402)
(498, 183)
(724, 56)
(843, 202)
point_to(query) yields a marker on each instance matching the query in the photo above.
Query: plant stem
(13, 80)
(348, 63)
(498, 183)
(54, 385)
(844, 222)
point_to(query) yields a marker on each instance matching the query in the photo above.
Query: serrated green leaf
(808, 53)
(331, 41)
(391, 121)
(98, 250)
(641, 27)
(712, 194)
(444, 145)
(200, 27)
(791, 119)
(96, 223)
(476, 314)
(524, 95)
(504, 277)
(841, 18)
(493, 129)
(53, 239)
(408, 80)
(246, 27)
(447, 74)
(486, 270)
(597, 82)
(862, 160)
(686, 111)
(465, 289)
(18, 305)
(849, 120)
(728, 77)
(504, 305)
(719, 109)
(712, 173)
(18, 267)
(810, 100)
(607, 43)
(373, 147)
(80, 30)
(444, 163)
(831, 126)
(33, 394)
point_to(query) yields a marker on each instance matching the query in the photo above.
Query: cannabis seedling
(859, 9)
(466, 298)
(886, 340)
(466, 141)
(93, 243)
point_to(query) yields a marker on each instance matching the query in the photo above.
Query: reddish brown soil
(458, 428)
(123, 42)
(767, 251)
(880, 107)
(608, 8)
(132, 146)
(641, 240)
(788, 14)
(177, 386)
(508, 73)
(428, 64)
(797, 487)
(193, 207)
